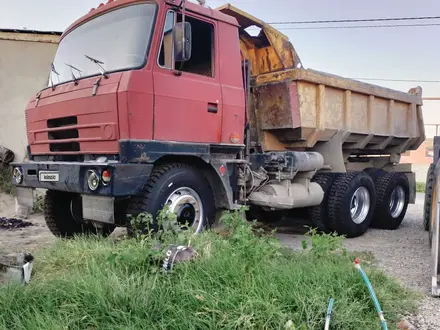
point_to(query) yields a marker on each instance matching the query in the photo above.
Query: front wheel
(180, 188)
(63, 215)
(351, 204)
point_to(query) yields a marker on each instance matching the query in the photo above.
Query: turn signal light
(106, 177)
(235, 138)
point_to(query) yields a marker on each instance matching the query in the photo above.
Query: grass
(6, 181)
(239, 280)
(420, 187)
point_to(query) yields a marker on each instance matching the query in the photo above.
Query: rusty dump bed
(295, 108)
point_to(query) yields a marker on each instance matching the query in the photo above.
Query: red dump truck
(167, 102)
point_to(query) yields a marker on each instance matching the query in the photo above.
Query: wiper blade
(52, 69)
(73, 76)
(99, 64)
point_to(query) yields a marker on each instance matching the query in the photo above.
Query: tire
(392, 199)
(432, 212)
(351, 191)
(168, 183)
(318, 213)
(428, 197)
(261, 215)
(63, 215)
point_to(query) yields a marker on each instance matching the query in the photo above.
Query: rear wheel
(63, 215)
(392, 190)
(183, 190)
(351, 204)
(428, 197)
(432, 212)
(318, 213)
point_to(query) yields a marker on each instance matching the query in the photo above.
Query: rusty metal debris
(6, 156)
(16, 268)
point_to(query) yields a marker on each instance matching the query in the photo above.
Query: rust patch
(274, 106)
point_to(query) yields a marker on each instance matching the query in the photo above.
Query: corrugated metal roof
(57, 33)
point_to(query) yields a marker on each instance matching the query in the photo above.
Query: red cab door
(188, 98)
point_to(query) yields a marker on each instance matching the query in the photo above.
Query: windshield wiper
(98, 63)
(73, 76)
(52, 69)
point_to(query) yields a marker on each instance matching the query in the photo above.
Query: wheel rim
(75, 212)
(397, 202)
(360, 205)
(187, 205)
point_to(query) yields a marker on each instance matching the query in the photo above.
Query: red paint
(150, 103)
(231, 83)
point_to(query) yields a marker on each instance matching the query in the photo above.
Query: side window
(166, 55)
(202, 58)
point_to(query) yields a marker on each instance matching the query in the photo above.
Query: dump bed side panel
(301, 108)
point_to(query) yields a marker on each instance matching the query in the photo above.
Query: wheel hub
(360, 205)
(186, 204)
(397, 202)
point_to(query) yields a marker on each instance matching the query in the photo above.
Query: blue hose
(373, 295)
(329, 314)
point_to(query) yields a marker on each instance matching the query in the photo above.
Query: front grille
(61, 122)
(67, 134)
(64, 135)
(64, 147)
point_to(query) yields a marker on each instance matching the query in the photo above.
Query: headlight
(18, 175)
(93, 180)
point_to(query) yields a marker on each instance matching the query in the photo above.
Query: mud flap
(100, 209)
(25, 197)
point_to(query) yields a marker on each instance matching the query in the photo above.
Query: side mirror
(182, 41)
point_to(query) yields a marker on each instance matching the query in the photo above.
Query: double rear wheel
(355, 201)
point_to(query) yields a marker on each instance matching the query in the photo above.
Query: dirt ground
(403, 253)
(25, 239)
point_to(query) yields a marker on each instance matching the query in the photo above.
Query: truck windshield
(118, 39)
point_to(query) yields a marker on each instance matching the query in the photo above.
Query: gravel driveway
(403, 253)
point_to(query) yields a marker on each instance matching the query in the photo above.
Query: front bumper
(99, 205)
(127, 179)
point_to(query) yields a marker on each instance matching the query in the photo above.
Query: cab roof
(114, 4)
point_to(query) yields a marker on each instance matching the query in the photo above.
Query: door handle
(212, 107)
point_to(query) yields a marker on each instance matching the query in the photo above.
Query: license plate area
(49, 176)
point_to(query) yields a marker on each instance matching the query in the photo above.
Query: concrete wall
(24, 70)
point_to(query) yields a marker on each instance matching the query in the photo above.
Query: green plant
(420, 187)
(165, 227)
(39, 204)
(6, 181)
(323, 244)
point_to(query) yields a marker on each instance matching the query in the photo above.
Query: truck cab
(120, 98)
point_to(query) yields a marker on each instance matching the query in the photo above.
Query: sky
(390, 53)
